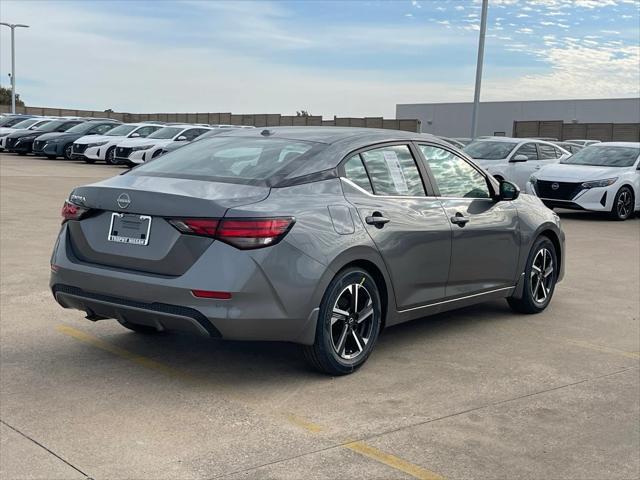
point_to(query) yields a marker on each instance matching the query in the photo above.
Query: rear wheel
(145, 329)
(623, 204)
(540, 278)
(110, 156)
(348, 323)
(67, 151)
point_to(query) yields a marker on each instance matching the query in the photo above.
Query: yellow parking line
(600, 348)
(392, 461)
(304, 423)
(357, 446)
(139, 359)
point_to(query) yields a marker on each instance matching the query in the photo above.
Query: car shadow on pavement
(583, 215)
(240, 362)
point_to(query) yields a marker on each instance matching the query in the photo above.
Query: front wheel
(110, 156)
(540, 278)
(68, 149)
(623, 204)
(348, 323)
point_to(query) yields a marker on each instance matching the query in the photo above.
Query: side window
(453, 175)
(528, 149)
(558, 152)
(192, 133)
(393, 171)
(100, 129)
(546, 151)
(354, 170)
(146, 131)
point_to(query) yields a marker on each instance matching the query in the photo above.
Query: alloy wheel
(542, 277)
(67, 152)
(623, 205)
(352, 321)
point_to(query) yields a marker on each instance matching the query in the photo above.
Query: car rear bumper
(263, 304)
(159, 315)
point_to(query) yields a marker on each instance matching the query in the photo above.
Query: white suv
(94, 148)
(133, 151)
(514, 159)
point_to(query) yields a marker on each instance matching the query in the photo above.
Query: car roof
(616, 144)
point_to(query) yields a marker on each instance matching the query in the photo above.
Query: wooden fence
(254, 119)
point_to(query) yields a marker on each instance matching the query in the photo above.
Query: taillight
(242, 233)
(71, 211)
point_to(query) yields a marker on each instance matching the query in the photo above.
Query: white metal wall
(454, 119)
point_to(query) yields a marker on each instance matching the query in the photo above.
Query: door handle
(377, 220)
(459, 219)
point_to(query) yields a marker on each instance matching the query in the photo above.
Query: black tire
(134, 327)
(110, 157)
(51, 157)
(623, 204)
(90, 161)
(67, 151)
(532, 291)
(357, 332)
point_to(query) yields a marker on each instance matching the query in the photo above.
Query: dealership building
(603, 119)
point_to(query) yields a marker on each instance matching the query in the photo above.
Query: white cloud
(609, 72)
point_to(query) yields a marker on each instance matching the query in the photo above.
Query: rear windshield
(486, 150)
(602, 156)
(121, 130)
(243, 160)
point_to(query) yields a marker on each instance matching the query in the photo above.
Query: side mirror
(520, 158)
(508, 191)
(181, 138)
(134, 135)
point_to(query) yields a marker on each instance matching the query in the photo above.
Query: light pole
(476, 96)
(13, 27)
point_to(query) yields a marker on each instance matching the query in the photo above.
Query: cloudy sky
(345, 58)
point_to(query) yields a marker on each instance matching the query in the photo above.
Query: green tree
(5, 97)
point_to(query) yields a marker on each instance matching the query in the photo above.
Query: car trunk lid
(126, 201)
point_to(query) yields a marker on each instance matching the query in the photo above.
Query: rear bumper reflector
(211, 294)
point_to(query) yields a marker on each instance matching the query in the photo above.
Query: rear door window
(354, 170)
(546, 152)
(393, 171)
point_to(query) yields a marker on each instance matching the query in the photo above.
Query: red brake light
(71, 211)
(242, 233)
(196, 226)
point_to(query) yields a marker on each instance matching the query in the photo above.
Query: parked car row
(601, 176)
(94, 139)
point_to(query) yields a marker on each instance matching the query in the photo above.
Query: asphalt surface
(477, 393)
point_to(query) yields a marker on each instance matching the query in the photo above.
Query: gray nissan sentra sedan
(318, 236)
